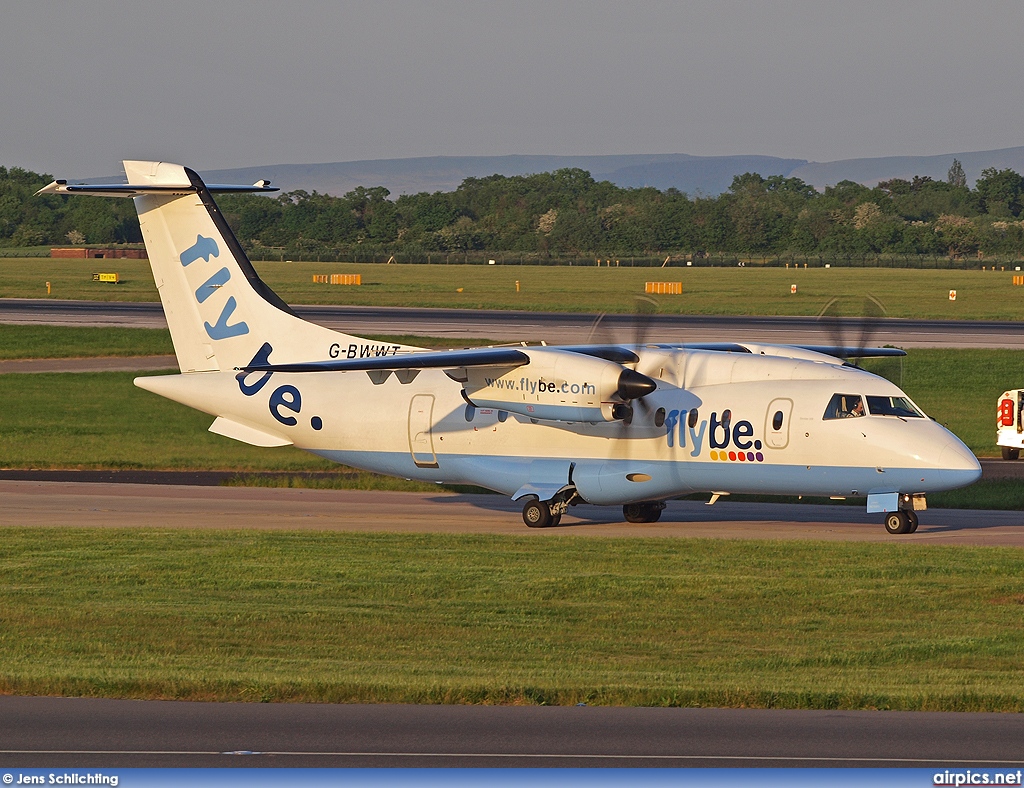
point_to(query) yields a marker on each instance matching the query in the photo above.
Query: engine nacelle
(557, 385)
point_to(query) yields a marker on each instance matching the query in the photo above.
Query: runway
(89, 732)
(552, 327)
(106, 505)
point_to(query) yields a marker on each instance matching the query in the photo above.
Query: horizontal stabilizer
(246, 434)
(134, 190)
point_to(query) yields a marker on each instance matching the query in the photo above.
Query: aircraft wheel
(912, 516)
(642, 512)
(537, 514)
(897, 522)
(1010, 454)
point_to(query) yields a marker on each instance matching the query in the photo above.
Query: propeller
(863, 326)
(633, 386)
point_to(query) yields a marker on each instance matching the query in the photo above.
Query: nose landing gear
(903, 521)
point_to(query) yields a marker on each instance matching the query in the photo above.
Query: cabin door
(421, 441)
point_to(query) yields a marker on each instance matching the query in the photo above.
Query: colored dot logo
(736, 456)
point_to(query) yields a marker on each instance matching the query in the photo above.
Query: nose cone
(958, 464)
(633, 385)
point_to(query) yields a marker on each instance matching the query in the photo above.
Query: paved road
(548, 326)
(88, 732)
(102, 505)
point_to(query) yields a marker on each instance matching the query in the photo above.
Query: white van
(1010, 423)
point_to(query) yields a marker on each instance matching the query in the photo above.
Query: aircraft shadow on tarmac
(933, 521)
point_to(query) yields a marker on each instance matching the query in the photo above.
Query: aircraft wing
(854, 352)
(513, 357)
(439, 359)
(836, 351)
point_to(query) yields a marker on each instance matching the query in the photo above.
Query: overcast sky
(246, 82)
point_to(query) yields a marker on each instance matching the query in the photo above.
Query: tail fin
(220, 313)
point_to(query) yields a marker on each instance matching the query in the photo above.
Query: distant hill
(707, 175)
(695, 175)
(871, 171)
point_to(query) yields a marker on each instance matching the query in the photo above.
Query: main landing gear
(903, 521)
(546, 514)
(537, 514)
(643, 512)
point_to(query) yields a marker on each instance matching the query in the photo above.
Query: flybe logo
(285, 402)
(204, 248)
(726, 440)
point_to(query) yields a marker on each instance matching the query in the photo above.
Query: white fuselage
(425, 429)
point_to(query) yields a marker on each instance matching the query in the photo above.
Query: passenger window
(659, 417)
(691, 420)
(844, 406)
(777, 421)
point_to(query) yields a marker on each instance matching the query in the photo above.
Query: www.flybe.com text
(540, 386)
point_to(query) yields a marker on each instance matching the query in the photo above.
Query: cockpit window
(844, 406)
(893, 406)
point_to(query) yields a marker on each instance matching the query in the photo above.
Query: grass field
(477, 619)
(707, 291)
(103, 420)
(42, 341)
(31, 341)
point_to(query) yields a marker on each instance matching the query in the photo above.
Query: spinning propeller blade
(860, 329)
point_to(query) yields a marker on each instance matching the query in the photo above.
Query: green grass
(1005, 494)
(101, 420)
(32, 341)
(707, 291)
(42, 341)
(959, 388)
(334, 617)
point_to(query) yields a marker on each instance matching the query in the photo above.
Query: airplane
(549, 425)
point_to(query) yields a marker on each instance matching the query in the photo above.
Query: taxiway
(553, 327)
(106, 505)
(85, 732)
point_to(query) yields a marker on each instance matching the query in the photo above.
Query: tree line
(567, 213)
